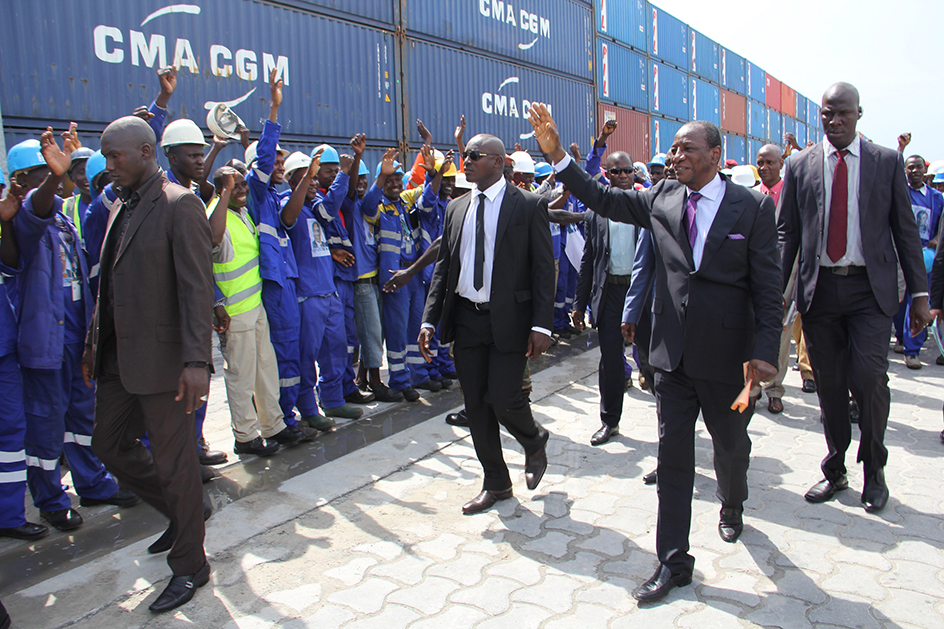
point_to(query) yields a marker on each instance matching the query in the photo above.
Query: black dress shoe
(121, 498)
(534, 467)
(485, 500)
(875, 492)
(211, 457)
(452, 375)
(730, 524)
(651, 477)
(410, 394)
(826, 489)
(181, 589)
(382, 393)
(63, 519)
(603, 435)
(206, 474)
(458, 419)
(660, 584)
(359, 398)
(258, 446)
(429, 385)
(28, 531)
(809, 386)
(445, 382)
(164, 542)
(288, 436)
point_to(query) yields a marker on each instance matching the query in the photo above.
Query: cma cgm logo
(112, 45)
(505, 13)
(498, 103)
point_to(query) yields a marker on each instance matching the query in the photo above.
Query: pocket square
(736, 236)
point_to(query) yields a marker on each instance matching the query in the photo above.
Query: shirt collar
(854, 148)
(132, 197)
(923, 190)
(712, 191)
(492, 191)
(773, 189)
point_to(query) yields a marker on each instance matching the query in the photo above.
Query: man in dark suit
(493, 294)
(717, 306)
(845, 208)
(149, 347)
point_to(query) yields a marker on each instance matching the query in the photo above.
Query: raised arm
(293, 207)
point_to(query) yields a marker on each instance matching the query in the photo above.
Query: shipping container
(622, 75)
(632, 131)
(801, 107)
(812, 114)
(101, 66)
(756, 81)
(772, 96)
(756, 119)
(494, 96)
(801, 134)
(706, 57)
(787, 100)
(668, 38)
(774, 126)
(753, 146)
(669, 93)
(734, 147)
(733, 112)
(548, 34)
(733, 76)
(663, 134)
(379, 11)
(789, 125)
(706, 101)
(626, 21)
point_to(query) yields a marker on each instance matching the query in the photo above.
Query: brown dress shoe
(485, 500)
(534, 466)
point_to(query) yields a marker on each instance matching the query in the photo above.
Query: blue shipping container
(753, 146)
(706, 57)
(669, 93)
(668, 38)
(756, 82)
(789, 125)
(102, 65)
(663, 133)
(812, 114)
(494, 96)
(756, 119)
(733, 72)
(706, 102)
(549, 34)
(622, 75)
(801, 107)
(774, 126)
(625, 21)
(734, 147)
(375, 10)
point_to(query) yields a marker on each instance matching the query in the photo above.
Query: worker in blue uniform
(77, 204)
(104, 198)
(12, 418)
(54, 307)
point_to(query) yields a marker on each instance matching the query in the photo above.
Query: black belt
(373, 279)
(479, 306)
(846, 270)
(622, 280)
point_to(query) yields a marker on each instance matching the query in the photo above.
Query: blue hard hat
(3, 182)
(657, 160)
(25, 155)
(328, 156)
(380, 163)
(938, 178)
(543, 169)
(363, 169)
(94, 166)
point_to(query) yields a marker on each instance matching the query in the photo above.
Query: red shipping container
(632, 131)
(773, 93)
(788, 100)
(733, 112)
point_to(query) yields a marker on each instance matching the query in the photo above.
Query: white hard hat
(223, 122)
(250, 154)
(523, 163)
(462, 183)
(936, 167)
(743, 176)
(641, 170)
(295, 161)
(182, 131)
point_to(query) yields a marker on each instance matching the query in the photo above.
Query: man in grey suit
(493, 292)
(845, 208)
(716, 315)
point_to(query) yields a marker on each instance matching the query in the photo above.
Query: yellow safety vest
(239, 280)
(71, 209)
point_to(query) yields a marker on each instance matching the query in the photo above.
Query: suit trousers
(803, 357)
(167, 476)
(641, 342)
(491, 384)
(679, 398)
(847, 338)
(612, 374)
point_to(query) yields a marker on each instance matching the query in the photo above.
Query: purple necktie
(691, 206)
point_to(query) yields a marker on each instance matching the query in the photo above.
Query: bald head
(129, 131)
(487, 169)
(841, 90)
(619, 170)
(769, 163)
(128, 146)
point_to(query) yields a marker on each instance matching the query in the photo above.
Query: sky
(891, 56)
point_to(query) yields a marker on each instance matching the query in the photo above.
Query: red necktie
(838, 210)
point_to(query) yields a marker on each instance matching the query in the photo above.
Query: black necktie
(478, 279)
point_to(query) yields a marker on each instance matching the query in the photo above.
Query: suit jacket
(886, 222)
(522, 289)
(729, 310)
(593, 265)
(163, 289)
(639, 296)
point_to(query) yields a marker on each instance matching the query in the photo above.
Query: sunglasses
(476, 156)
(621, 171)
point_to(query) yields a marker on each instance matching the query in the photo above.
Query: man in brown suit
(149, 347)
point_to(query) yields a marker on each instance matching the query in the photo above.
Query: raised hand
(229, 178)
(447, 160)
(609, 128)
(315, 164)
(168, 78)
(460, 130)
(142, 113)
(545, 132)
(429, 159)
(9, 206)
(70, 139)
(387, 164)
(358, 144)
(275, 87)
(425, 135)
(575, 151)
(57, 161)
(904, 140)
(345, 163)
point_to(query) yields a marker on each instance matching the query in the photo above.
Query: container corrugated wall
(494, 96)
(774, 126)
(801, 134)
(733, 112)
(787, 100)
(552, 35)
(756, 119)
(706, 101)
(812, 114)
(632, 131)
(668, 38)
(734, 147)
(622, 75)
(801, 105)
(733, 73)
(663, 133)
(773, 93)
(756, 81)
(789, 125)
(753, 146)
(669, 92)
(626, 21)
(706, 57)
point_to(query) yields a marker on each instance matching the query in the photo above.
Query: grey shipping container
(756, 119)
(733, 76)
(622, 75)
(706, 101)
(549, 34)
(668, 38)
(101, 65)
(669, 93)
(662, 134)
(706, 57)
(443, 84)
(734, 147)
(756, 81)
(626, 21)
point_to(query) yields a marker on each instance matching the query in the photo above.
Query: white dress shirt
(712, 194)
(853, 161)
